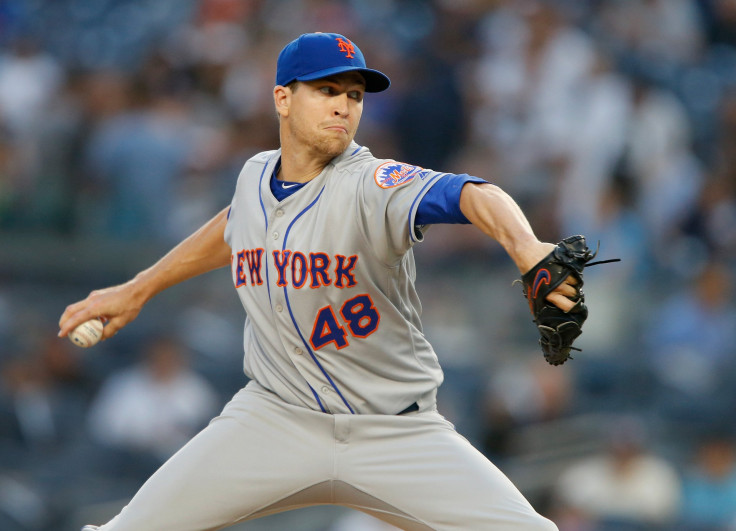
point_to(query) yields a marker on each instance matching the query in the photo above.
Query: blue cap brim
(375, 81)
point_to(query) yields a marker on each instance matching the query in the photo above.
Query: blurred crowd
(124, 124)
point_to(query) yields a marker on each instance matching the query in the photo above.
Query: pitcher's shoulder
(263, 157)
(358, 161)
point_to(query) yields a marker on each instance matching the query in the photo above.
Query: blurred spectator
(660, 161)
(44, 392)
(689, 342)
(600, 121)
(625, 485)
(655, 30)
(613, 322)
(522, 394)
(29, 78)
(27, 405)
(152, 408)
(136, 157)
(429, 134)
(709, 487)
(43, 398)
(714, 222)
(527, 79)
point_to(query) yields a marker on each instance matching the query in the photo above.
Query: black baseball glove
(558, 328)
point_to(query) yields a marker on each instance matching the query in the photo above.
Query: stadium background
(123, 124)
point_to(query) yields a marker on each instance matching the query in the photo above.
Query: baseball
(87, 334)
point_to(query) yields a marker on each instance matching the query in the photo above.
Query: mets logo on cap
(346, 47)
(392, 173)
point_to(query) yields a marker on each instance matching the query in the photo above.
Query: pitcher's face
(325, 114)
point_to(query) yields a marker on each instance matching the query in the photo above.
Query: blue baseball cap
(317, 55)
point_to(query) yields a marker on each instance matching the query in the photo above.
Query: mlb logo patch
(392, 173)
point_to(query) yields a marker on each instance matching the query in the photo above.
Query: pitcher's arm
(203, 251)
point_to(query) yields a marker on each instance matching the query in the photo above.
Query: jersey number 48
(358, 314)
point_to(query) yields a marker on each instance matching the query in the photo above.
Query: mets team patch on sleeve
(391, 174)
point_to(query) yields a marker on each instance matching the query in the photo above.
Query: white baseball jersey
(326, 277)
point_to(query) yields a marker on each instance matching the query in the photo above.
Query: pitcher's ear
(282, 99)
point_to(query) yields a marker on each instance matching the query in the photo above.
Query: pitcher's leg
(424, 475)
(256, 453)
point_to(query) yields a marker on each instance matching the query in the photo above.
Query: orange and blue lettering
(281, 263)
(299, 269)
(239, 270)
(327, 330)
(361, 315)
(254, 266)
(318, 264)
(345, 271)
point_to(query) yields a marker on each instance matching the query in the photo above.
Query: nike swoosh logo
(543, 277)
(288, 185)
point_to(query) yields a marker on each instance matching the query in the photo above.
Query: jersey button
(279, 213)
(298, 351)
(279, 308)
(275, 235)
(325, 389)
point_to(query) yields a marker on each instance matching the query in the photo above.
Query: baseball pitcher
(340, 407)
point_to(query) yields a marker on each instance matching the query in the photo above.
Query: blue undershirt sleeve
(441, 204)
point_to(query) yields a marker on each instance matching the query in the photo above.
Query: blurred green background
(124, 124)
